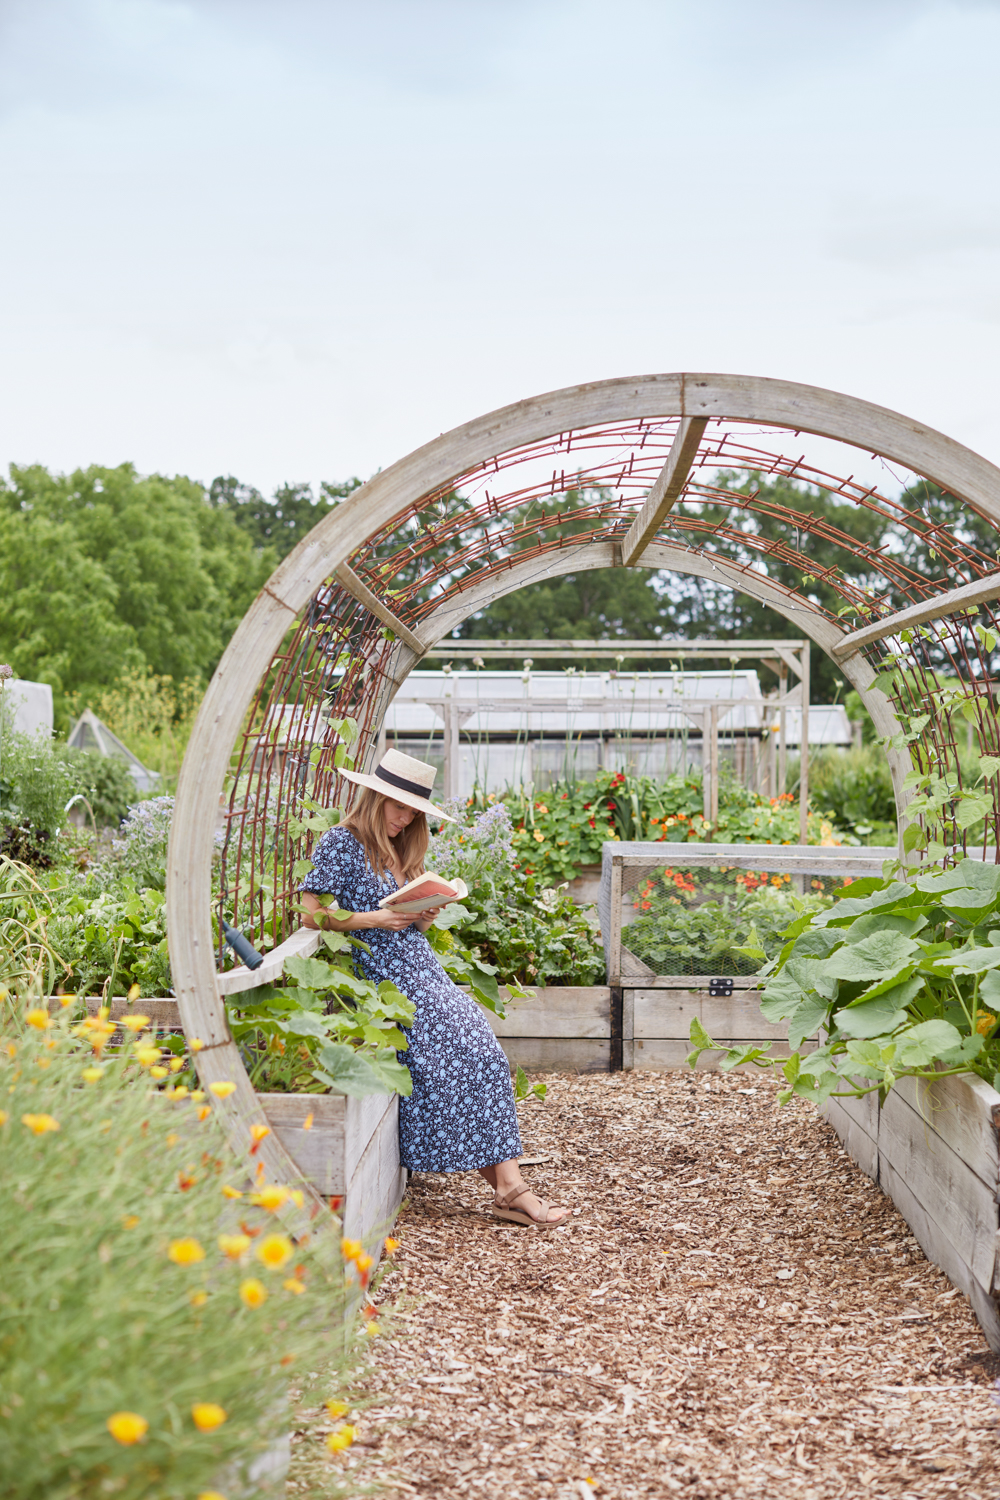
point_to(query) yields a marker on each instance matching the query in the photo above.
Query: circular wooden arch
(309, 574)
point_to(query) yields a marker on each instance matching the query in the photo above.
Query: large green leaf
(849, 907)
(348, 1072)
(909, 924)
(924, 1043)
(875, 1018)
(971, 960)
(313, 973)
(807, 1019)
(781, 998)
(899, 991)
(875, 957)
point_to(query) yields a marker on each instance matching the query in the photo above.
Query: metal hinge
(721, 987)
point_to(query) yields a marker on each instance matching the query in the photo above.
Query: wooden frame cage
(619, 473)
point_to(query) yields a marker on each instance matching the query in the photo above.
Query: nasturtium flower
(207, 1415)
(234, 1245)
(341, 1439)
(40, 1019)
(39, 1124)
(275, 1251)
(127, 1427)
(253, 1292)
(294, 1285)
(135, 1023)
(222, 1089)
(186, 1251)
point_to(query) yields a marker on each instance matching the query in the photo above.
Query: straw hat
(403, 778)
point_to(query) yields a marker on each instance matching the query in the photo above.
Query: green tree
(103, 570)
(279, 524)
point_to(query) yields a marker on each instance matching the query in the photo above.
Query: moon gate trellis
(617, 473)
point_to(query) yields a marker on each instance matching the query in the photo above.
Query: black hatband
(413, 787)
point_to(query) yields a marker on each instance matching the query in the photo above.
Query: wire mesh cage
(716, 911)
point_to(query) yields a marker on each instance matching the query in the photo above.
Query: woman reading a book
(460, 1116)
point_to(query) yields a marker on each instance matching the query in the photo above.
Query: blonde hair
(366, 821)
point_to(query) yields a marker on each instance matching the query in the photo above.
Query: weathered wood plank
(162, 1013)
(318, 1152)
(948, 1191)
(302, 944)
(564, 1011)
(938, 1244)
(375, 1186)
(959, 1110)
(374, 605)
(979, 591)
(849, 1124)
(667, 487)
(557, 1054)
(363, 1119)
(668, 1013)
(669, 1055)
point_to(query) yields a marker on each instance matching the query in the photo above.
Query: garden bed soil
(733, 1309)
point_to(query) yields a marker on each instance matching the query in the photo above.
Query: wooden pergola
(618, 473)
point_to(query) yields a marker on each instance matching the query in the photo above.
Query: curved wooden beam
(779, 403)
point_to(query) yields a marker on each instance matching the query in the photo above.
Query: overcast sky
(294, 239)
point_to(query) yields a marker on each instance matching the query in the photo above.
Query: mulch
(733, 1310)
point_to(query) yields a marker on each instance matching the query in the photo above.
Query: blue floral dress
(461, 1113)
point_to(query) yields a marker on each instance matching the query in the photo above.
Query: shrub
(853, 787)
(136, 1358)
(105, 781)
(141, 850)
(35, 784)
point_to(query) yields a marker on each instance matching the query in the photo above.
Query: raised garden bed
(933, 1148)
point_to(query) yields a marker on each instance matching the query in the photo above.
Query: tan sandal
(502, 1210)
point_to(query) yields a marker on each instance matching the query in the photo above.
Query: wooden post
(615, 935)
(451, 762)
(782, 731)
(617, 1002)
(713, 716)
(804, 749)
(706, 766)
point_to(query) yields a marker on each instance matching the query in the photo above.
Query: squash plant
(901, 978)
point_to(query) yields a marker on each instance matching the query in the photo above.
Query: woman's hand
(426, 918)
(393, 921)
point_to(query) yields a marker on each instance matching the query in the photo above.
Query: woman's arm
(318, 915)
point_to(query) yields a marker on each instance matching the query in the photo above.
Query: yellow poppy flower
(234, 1245)
(253, 1292)
(223, 1089)
(127, 1427)
(134, 1023)
(185, 1252)
(275, 1251)
(39, 1124)
(207, 1415)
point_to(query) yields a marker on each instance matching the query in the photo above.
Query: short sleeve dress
(461, 1113)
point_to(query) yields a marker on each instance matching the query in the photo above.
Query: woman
(461, 1114)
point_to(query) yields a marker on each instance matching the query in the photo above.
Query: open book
(425, 892)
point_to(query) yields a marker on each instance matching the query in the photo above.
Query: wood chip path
(734, 1310)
